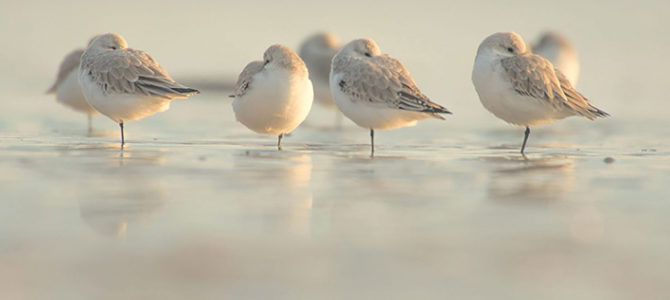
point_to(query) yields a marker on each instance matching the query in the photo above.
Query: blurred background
(200, 207)
(621, 43)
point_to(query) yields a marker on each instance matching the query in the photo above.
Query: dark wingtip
(435, 112)
(599, 112)
(432, 110)
(436, 108)
(439, 110)
(186, 90)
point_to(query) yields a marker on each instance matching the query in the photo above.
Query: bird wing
(130, 71)
(246, 77)
(69, 63)
(576, 101)
(382, 80)
(534, 76)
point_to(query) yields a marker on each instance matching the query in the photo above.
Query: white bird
(523, 88)
(273, 96)
(317, 52)
(125, 84)
(558, 50)
(67, 89)
(376, 91)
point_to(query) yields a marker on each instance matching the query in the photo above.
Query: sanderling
(273, 96)
(125, 84)
(558, 50)
(317, 52)
(376, 91)
(67, 89)
(522, 88)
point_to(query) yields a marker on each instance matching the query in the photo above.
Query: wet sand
(215, 211)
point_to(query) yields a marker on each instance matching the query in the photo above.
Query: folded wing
(534, 76)
(383, 81)
(133, 72)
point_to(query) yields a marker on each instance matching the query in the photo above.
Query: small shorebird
(67, 89)
(273, 96)
(125, 84)
(522, 88)
(376, 91)
(317, 52)
(557, 49)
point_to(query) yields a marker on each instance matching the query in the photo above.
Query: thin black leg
(372, 142)
(279, 141)
(525, 139)
(123, 140)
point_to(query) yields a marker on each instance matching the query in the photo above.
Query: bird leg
(279, 141)
(525, 139)
(372, 142)
(123, 140)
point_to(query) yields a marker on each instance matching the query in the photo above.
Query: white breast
(276, 102)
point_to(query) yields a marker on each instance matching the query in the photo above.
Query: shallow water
(198, 206)
(223, 214)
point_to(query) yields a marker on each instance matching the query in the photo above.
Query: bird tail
(186, 91)
(435, 110)
(591, 112)
(598, 112)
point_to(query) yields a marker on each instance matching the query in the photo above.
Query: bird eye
(267, 61)
(510, 50)
(368, 54)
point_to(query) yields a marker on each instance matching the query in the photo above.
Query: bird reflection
(517, 178)
(119, 157)
(283, 181)
(542, 180)
(120, 202)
